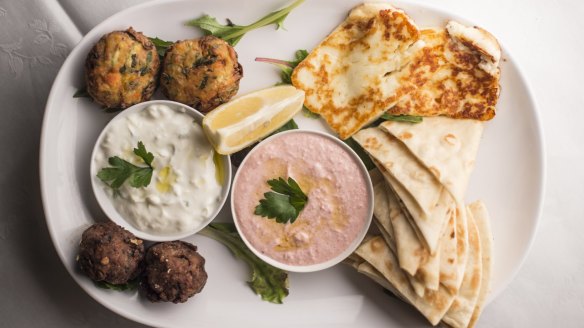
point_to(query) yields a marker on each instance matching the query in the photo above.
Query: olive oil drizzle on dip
(186, 184)
(337, 207)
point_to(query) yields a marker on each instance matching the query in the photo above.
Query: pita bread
(481, 217)
(448, 256)
(433, 305)
(455, 75)
(447, 147)
(402, 165)
(461, 310)
(349, 77)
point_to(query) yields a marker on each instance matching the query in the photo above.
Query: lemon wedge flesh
(249, 118)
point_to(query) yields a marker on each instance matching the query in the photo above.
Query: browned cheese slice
(456, 75)
(349, 78)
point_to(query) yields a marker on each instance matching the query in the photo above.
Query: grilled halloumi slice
(350, 78)
(455, 75)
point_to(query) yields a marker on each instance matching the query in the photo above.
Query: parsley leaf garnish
(122, 170)
(284, 203)
(232, 33)
(402, 118)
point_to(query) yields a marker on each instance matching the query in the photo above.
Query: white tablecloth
(545, 37)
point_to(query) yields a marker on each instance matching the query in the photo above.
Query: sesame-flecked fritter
(122, 69)
(202, 73)
(110, 253)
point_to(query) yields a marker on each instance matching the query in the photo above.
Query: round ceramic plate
(508, 176)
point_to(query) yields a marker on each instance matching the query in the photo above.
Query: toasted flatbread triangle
(433, 305)
(447, 147)
(461, 310)
(402, 165)
(481, 218)
(448, 256)
(349, 77)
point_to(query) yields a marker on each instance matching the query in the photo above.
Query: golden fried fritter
(202, 73)
(122, 69)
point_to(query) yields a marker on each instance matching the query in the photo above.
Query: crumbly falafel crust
(203, 73)
(122, 69)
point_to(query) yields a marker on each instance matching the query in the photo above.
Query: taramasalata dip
(338, 209)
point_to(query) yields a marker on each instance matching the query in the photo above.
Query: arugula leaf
(360, 152)
(286, 66)
(402, 118)
(130, 285)
(123, 170)
(285, 203)
(232, 33)
(161, 46)
(307, 113)
(81, 93)
(267, 281)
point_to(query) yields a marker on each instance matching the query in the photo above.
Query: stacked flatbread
(433, 251)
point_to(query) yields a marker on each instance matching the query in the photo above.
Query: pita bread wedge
(433, 305)
(448, 256)
(402, 165)
(447, 147)
(481, 217)
(456, 75)
(348, 78)
(461, 310)
(410, 251)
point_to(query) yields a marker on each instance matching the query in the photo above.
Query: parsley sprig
(122, 170)
(232, 33)
(284, 203)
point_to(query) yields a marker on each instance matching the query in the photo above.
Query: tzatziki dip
(187, 178)
(338, 210)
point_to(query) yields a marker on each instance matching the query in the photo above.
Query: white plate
(508, 176)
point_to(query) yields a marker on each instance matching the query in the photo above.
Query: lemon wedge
(249, 118)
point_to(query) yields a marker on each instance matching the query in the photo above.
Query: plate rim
(540, 142)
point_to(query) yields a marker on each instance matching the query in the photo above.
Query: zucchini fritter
(202, 73)
(122, 69)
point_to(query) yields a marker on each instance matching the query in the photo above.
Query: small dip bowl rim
(341, 255)
(106, 204)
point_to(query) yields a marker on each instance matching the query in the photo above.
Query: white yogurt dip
(186, 185)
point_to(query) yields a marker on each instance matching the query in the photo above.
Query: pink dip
(337, 206)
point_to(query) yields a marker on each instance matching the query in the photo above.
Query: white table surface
(544, 36)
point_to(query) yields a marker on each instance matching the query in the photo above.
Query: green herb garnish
(81, 93)
(161, 46)
(284, 203)
(232, 33)
(123, 170)
(286, 66)
(360, 152)
(267, 281)
(402, 118)
(130, 285)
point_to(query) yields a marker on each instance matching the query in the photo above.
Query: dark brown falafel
(110, 253)
(174, 272)
(122, 69)
(202, 73)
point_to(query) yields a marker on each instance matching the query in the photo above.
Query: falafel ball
(174, 272)
(202, 73)
(122, 69)
(110, 253)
